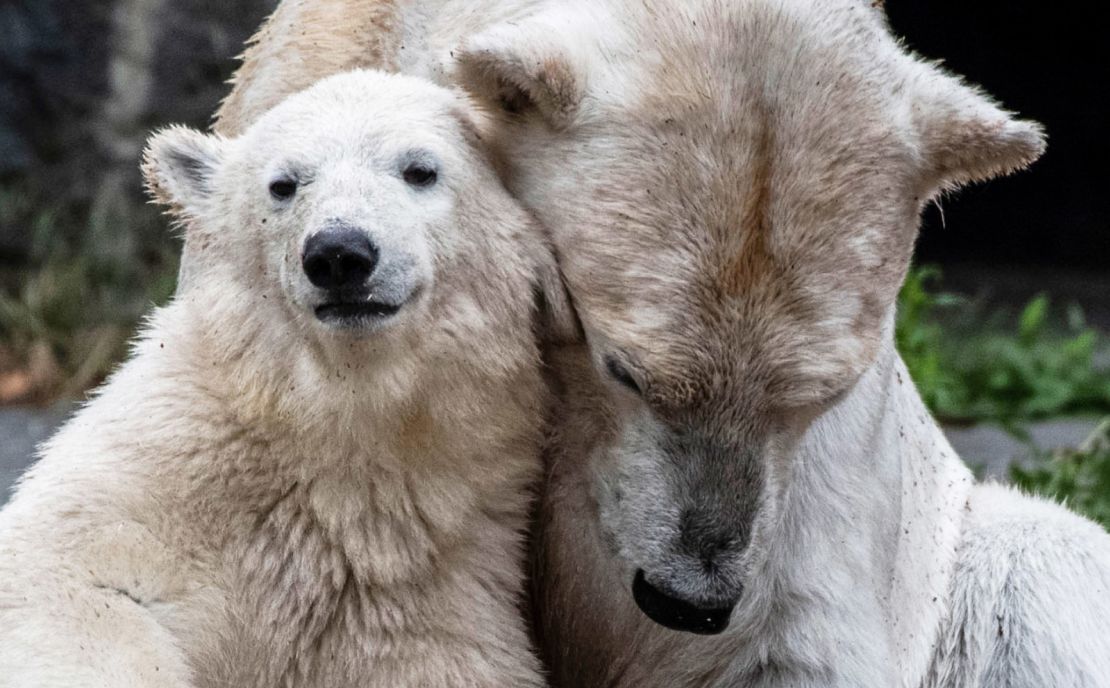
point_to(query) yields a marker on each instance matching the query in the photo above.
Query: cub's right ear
(179, 166)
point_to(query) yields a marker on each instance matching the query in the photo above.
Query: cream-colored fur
(306, 40)
(734, 189)
(257, 498)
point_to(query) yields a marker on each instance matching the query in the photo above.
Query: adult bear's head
(734, 190)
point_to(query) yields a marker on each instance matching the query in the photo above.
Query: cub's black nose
(339, 259)
(676, 614)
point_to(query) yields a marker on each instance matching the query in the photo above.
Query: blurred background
(82, 255)
(1003, 322)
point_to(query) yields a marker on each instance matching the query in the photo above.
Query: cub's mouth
(355, 314)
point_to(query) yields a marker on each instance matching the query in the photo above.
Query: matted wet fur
(734, 190)
(267, 494)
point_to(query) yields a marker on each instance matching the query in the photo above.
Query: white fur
(1031, 599)
(751, 174)
(889, 568)
(257, 498)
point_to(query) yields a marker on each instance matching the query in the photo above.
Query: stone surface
(990, 450)
(21, 430)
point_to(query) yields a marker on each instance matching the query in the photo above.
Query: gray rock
(990, 450)
(21, 430)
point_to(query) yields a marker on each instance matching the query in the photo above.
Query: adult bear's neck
(871, 516)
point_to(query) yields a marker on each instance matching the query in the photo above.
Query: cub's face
(355, 219)
(344, 201)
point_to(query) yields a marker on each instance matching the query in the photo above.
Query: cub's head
(362, 215)
(734, 191)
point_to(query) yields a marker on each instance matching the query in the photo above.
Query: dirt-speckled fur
(734, 189)
(257, 499)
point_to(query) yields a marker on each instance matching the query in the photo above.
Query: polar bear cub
(315, 468)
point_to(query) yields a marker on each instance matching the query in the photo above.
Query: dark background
(82, 84)
(1047, 62)
(66, 141)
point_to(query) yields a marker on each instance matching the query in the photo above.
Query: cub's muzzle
(343, 262)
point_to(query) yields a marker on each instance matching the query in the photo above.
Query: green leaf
(971, 366)
(1033, 319)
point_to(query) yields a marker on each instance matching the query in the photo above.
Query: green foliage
(65, 317)
(19, 209)
(922, 341)
(1080, 477)
(975, 372)
(77, 319)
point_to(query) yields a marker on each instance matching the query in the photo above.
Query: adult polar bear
(734, 189)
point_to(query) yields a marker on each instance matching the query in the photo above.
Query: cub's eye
(283, 189)
(619, 373)
(420, 174)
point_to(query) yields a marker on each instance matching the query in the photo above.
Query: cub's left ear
(179, 166)
(558, 322)
(524, 70)
(966, 137)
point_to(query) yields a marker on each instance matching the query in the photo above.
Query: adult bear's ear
(521, 69)
(966, 137)
(179, 166)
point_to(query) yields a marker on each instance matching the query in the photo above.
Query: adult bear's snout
(676, 614)
(339, 259)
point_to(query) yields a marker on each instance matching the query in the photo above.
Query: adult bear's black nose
(676, 614)
(336, 259)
